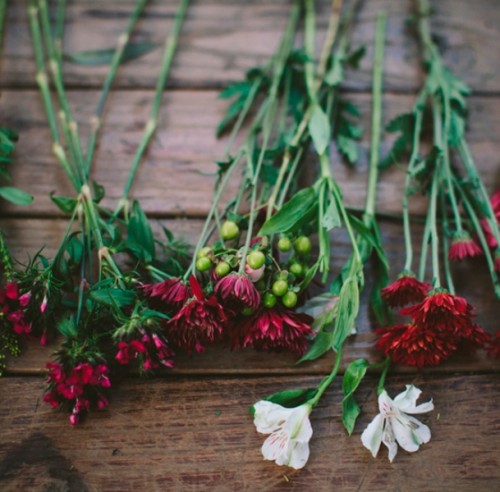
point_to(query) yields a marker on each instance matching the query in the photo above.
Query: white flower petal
(298, 424)
(404, 433)
(275, 446)
(299, 455)
(389, 441)
(422, 433)
(372, 435)
(423, 407)
(385, 404)
(269, 416)
(407, 400)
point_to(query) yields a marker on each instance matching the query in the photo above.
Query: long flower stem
(122, 43)
(149, 130)
(327, 381)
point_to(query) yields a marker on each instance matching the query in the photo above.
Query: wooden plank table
(190, 429)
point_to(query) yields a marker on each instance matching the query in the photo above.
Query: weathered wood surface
(222, 39)
(176, 176)
(185, 434)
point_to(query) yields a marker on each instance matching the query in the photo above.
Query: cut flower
(393, 425)
(405, 290)
(290, 431)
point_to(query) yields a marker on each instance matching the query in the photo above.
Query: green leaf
(354, 58)
(319, 128)
(457, 128)
(15, 195)
(331, 218)
(401, 123)
(322, 343)
(238, 88)
(292, 213)
(231, 113)
(140, 238)
(67, 328)
(113, 297)
(348, 148)
(335, 74)
(64, 203)
(353, 376)
(347, 311)
(98, 190)
(105, 56)
(292, 398)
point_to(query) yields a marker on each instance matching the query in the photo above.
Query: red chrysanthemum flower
(495, 205)
(472, 337)
(493, 346)
(172, 293)
(405, 290)
(441, 309)
(201, 320)
(463, 246)
(414, 345)
(236, 292)
(274, 329)
(497, 260)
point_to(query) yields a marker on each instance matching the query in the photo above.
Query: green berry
(289, 299)
(256, 259)
(279, 287)
(284, 244)
(302, 245)
(229, 230)
(270, 300)
(222, 269)
(261, 285)
(297, 269)
(203, 264)
(203, 252)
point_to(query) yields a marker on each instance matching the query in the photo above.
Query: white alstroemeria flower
(393, 426)
(290, 431)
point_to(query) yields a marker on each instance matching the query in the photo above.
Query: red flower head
(495, 205)
(414, 345)
(129, 351)
(274, 329)
(497, 260)
(405, 290)
(201, 320)
(236, 292)
(463, 246)
(441, 309)
(172, 292)
(494, 346)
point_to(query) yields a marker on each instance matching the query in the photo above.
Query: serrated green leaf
(335, 73)
(113, 297)
(15, 195)
(232, 112)
(348, 148)
(401, 123)
(319, 129)
(105, 56)
(292, 213)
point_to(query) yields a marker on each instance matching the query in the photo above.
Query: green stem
(168, 56)
(3, 12)
(446, 247)
(327, 381)
(434, 233)
(378, 67)
(122, 43)
(381, 382)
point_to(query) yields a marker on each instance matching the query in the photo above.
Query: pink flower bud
(43, 306)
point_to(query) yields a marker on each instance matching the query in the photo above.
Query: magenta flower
(236, 292)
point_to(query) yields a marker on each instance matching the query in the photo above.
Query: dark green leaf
(113, 297)
(231, 113)
(350, 412)
(319, 128)
(99, 191)
(292, 213)
(238, 88)
(401, 123)
(335, 74)
(15, 195)
(64, 203)
(322, 343)
(140, 238)
(353, 376)
(105, 56)
(348, 148)
(67, 328)
(354, 58)
(292, 398)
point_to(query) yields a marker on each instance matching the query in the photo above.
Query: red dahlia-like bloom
(172, 293)
(237, 291)
(274, 329)
(493, 346)
(405, 290)
(414, 345)
(463, 246)
(495, 205)
(201, 320)
(441, 309)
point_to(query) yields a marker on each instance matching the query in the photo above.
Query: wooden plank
(176, 177)
(471, 281)
(223, 39)
(196, 434)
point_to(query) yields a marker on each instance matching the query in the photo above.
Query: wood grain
(222, 39)
(196, 434)
(177, 175)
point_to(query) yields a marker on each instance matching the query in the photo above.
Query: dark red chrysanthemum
(493, 346)
(497, 260)
(236, 292)
(201, 320)
(463, 246)
(274, 329)
(441, 309)
(472, 337)
(495, 205)
(413, 345)
(172, 293)
(405, 290)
